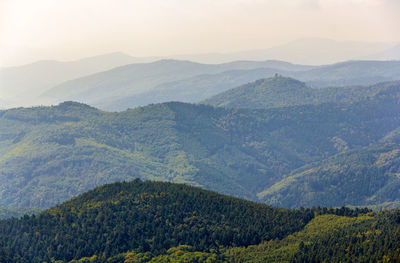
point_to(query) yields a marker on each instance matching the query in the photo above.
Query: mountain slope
(281, 91)
(361, 177)
(49, 154)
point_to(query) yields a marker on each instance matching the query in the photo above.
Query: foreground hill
(146, 216)
(164, 222)
(280, 91)
(49, 154)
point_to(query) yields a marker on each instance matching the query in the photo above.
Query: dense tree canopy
(165, 222)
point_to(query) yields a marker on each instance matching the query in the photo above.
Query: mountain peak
(276, 91)
(72, 104)
(277, 84)
(277, 78)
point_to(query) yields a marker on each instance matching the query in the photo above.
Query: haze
(67, 30)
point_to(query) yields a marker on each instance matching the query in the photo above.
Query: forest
(145, 221)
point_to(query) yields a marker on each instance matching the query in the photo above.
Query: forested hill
(146, 216)
(163, 222)
(50, 154)
(282, 91)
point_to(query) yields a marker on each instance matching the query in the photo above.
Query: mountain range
(137, 79)
(299, 150)
(50, 154)
(309, 51)
(141, 84)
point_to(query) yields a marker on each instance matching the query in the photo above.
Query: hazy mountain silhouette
(23, 83)
(308, 51)
(106, 88)
(172, 80)
(389, 54)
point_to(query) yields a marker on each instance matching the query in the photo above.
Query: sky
(71, 29)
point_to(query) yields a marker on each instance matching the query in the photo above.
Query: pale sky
(70, 29)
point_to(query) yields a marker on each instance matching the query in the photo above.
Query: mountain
(169, 80)
(351, 73)
(392, 53)
(280, 91)
(265, 93)
(164, 222)
(49, 154)
(307, 51)
(22, 84)
(134, 79)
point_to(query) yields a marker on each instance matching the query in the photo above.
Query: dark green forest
(164, 222)
(147, 216)
(50, 154)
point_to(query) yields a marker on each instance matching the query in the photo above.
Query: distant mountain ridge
(389, 54)
(308, 51)
(134, 79)
(24, 83)
(140, 84)
(357, 72)
(191, 90)
(171, 80)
